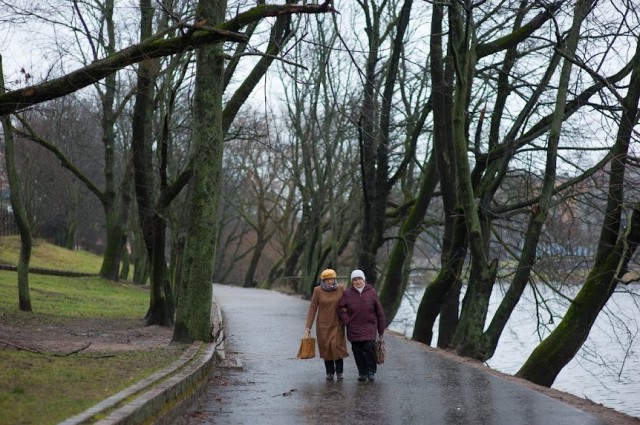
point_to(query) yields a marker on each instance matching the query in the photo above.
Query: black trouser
(334, 366)
(364, 352)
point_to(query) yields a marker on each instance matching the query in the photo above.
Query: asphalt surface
(414, 386)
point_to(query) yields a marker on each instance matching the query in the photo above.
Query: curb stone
(165, 395)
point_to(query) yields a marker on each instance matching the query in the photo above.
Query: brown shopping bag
(380, 351)
(307, 348)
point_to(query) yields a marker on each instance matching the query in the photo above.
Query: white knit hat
(357, 273)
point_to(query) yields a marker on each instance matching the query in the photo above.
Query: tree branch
(154, 47)
(19, 347)
(520, 34)
(64, 162)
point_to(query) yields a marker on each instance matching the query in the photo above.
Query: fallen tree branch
(74, 351)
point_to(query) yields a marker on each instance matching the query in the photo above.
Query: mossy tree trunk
(194, 300)
(558, 349)
(442, 287)
(483, 271)
(194, 283)
(115, 234)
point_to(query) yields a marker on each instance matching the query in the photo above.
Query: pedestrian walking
(330, 334)
(361, 312)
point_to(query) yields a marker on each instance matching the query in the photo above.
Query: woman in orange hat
(330, 333)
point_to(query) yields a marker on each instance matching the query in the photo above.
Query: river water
(607, 368)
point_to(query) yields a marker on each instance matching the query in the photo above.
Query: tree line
(484, 141)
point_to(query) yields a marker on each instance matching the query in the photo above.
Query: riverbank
(603, 371)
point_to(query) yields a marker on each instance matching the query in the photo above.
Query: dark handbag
(380, 351)
(307, 348)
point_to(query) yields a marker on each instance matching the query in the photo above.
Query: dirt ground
(92, 335)
(86, 335)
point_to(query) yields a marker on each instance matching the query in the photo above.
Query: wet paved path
(414, 386)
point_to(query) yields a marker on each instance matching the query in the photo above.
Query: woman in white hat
(361, 312)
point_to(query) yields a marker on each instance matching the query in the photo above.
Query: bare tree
(617, 245)
(19, 210)
(65, 211)
(375, 125)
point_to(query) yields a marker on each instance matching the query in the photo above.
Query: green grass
(47, 388)
(47, 256)
(76, 297)
(40, 389)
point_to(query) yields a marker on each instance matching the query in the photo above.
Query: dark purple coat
(361, 314)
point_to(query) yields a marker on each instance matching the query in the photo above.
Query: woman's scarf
(326, 287)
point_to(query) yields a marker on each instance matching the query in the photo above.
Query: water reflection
(346, 402)
(607, 368)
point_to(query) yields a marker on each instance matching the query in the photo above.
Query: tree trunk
(311, 251)
(141, 269)
(194, 302)
(151, 223)
(110, 268)
(249, 277)
(558, 349)
(400, 259)
(19, 212)
(161, 308)
(126, 264)
(454, 238)
(449, 313)
(447, 279)
(70, 238)
(114, 226)
(442, 295)
(483, 272)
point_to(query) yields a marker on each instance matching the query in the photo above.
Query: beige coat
(332, 343)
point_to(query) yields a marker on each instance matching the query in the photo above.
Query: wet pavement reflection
(414, 386)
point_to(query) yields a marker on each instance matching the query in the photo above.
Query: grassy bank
(48, 386)
(47, 256)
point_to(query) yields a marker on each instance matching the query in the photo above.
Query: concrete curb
(165, 395)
